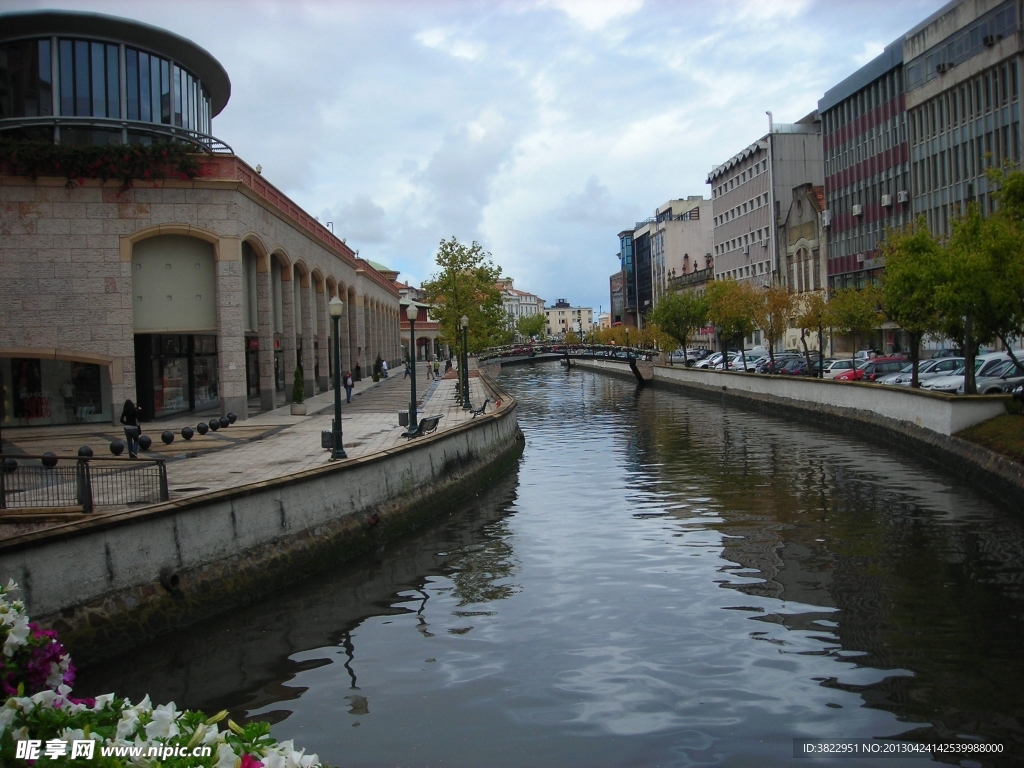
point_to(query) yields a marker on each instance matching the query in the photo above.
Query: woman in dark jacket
(132, 430)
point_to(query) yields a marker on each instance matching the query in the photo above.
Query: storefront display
(38, 392)
(176, 373)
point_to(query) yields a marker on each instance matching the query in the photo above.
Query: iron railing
(202, 141)
(28, 482)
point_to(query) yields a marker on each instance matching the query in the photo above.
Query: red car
(873, 369)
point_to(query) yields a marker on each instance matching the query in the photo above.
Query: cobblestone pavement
(270, 444)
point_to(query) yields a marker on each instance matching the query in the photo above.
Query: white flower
(44, 698)
(103, 700)
(7, 716)
(226, 757)
(128, 723)
(17, 634)
(163, 725)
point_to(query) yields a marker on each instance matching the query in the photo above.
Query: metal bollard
(84, 485)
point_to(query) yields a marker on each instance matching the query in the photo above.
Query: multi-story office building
(963, 104)
(746, 191)
(675, 240)
(867, 184)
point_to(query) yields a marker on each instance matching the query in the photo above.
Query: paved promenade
(268, 445)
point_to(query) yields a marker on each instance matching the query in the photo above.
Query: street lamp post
(410, 312)
(335, 308)
(464, 322)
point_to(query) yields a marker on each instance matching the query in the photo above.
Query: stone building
(805, 260)
(181, 294)
(748, 191)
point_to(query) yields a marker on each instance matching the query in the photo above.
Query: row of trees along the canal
(968, 287)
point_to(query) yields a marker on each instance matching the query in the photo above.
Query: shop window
(38, 392)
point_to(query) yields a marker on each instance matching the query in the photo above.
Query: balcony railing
(159, 131)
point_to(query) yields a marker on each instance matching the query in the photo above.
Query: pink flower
(248, 761)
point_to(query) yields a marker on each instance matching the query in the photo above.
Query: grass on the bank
(1003, 434)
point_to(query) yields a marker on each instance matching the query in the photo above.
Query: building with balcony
(182, 294)
(747, 192)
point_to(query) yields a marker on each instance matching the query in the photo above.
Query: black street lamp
(410, 312)
(335, 307)
(464, 322)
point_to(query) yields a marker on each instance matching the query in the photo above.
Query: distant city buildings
(910, 134)
(518, 303)
(676, 240)
(563, 317)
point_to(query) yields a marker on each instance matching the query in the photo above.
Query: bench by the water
(427, 425)
(477, 411)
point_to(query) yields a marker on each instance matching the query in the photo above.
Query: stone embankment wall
(921, 423)
(120, 579)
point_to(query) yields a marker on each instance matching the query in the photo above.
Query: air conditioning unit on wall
(858, 210)
(903, 196)
(886, 201)
(860, 258)
(826, 218)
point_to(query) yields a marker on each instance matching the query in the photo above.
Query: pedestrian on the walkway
(132, 430)
(384, 368)
(430, 370)
(408, 369)
(359, 372)
(346, 381)
(437, 368)
(447, 365)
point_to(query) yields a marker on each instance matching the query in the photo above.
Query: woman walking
(132, 430)
(346, 381)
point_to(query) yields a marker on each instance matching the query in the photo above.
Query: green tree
(772, 307)
(971, 305)
(679, 315)
(466, 285)
(1006, 245)
(730, 310)
(913, 268)
(855, 311)
(812, 317)
(531, 325)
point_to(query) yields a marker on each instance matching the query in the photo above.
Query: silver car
(1002, 379)
(926, 369)
(983, 366)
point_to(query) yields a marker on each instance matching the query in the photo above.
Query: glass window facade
(26, 85)
(39, 392)
(156, 90)
(176, 373)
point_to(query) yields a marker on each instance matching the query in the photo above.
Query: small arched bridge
(638, 360)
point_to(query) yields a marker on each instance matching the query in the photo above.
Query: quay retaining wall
(119, 579)
(921, 423)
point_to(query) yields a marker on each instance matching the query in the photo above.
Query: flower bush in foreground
(36, 676)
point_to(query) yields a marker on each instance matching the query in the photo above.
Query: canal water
(662, 581)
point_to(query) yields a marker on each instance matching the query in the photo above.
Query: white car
(710, 361)
(926, 370)
(1003, 379)
(838, 366)
(752, 360)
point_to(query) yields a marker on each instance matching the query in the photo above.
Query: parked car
(983, 366)
(710, 361)
(866, 354)
(800, 368)
(752, 359)
(927, 369)
(870, 370)
(837, 367)
(1005, 378)
(765, 365)
(946, 352)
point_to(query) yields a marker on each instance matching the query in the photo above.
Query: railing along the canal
(46, 482)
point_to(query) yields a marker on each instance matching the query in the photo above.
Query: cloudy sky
(540, 128)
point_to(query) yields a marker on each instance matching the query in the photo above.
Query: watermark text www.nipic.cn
(36, 749)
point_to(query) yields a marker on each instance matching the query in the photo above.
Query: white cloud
(593, 15)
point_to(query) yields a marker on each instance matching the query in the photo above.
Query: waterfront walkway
(267, 445)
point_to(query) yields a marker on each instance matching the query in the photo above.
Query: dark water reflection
(662, 582)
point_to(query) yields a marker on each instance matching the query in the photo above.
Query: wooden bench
(427, 425)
